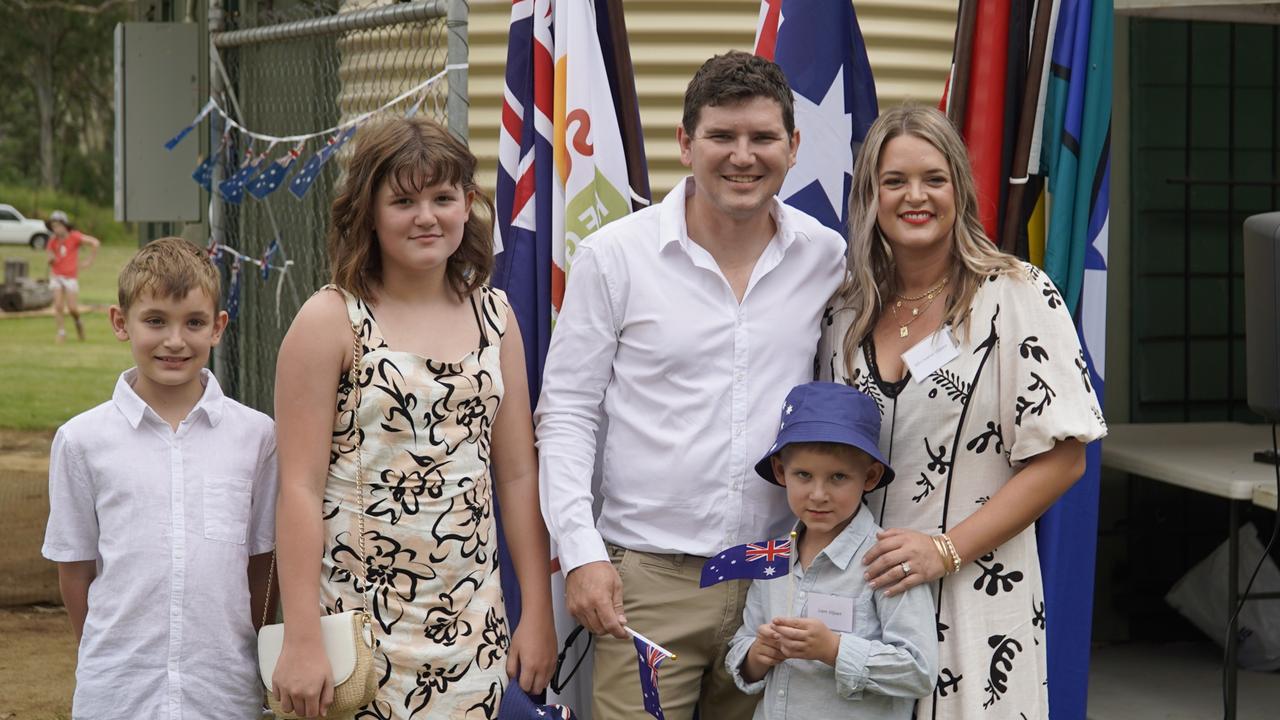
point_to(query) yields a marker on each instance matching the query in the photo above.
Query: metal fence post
(459, 102)
(221, 369)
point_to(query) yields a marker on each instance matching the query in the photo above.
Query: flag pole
(791, 576)
(655, 645)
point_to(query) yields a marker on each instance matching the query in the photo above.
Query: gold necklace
(916, 312)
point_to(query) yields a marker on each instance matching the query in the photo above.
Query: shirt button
(782, 693)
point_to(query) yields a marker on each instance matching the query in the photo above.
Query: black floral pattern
(428, 569)
(1016, 385)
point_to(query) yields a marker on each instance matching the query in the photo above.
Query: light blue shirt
(887, 662)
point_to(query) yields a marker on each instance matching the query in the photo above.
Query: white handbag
(340, 645)
(347, 636)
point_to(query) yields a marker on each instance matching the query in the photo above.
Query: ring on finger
(906, 569)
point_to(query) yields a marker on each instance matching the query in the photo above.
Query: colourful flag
(571, 159)
(1077, 158)
(302, 182)
(753, 561)
(649, 657)
(819, 47)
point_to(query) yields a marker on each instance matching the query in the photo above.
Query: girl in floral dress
(986, 403)
(440, 422)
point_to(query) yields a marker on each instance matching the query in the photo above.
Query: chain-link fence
(299, 71)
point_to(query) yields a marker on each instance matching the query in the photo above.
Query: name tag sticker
(927, 356)
(835, 611)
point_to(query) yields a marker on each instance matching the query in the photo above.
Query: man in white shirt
(683, 326)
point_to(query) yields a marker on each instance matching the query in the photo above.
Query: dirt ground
(37, 665)
(25, 576)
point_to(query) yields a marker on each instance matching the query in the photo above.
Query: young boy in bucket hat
(825, 620)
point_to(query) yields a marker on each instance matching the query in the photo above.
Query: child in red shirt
(64, 267)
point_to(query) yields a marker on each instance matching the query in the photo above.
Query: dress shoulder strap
(361, 318)
(492, 309)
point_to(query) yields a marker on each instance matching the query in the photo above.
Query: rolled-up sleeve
(904, 662)
(578, 369)
(753, 616)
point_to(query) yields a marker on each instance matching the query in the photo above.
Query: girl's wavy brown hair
(411, 154)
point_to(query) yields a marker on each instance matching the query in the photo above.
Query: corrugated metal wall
(908, 42)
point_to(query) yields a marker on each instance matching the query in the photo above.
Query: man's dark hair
(734, 77)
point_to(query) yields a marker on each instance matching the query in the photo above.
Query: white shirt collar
(672, 227)
(133, 407)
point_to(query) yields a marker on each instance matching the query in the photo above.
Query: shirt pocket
(227, 501)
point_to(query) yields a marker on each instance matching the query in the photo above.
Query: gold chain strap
(353, 377)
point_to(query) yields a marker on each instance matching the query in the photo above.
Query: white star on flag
(789, 409)
(769, 571)
(825, 154)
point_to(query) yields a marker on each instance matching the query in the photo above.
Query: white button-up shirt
(172, 518)
(652, 339)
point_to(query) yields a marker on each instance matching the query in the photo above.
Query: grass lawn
(45, 384)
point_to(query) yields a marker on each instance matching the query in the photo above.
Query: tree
(64, 60)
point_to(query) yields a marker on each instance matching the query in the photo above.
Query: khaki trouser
(663, 602)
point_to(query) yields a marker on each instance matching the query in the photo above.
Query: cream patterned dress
(1019, 384)
(431, 575)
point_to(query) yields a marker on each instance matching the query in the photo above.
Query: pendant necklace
(916, 312)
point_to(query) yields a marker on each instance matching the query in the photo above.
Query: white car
(17, 230)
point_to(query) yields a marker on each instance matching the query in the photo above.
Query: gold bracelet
(951, 548)
(942, 550)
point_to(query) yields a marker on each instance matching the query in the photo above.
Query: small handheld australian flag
(649, 656)
(752, 561)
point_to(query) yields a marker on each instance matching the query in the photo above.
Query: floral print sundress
(431, 572)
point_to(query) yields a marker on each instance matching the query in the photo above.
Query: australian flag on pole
(301, 182)
(753, 561)
(650, 657)
(819, 47)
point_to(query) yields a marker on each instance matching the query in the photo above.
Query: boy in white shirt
(161, 515)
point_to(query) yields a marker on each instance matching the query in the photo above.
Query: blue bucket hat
(828, 412)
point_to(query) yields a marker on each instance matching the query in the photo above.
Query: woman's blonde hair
(412, 154)
(872, 276)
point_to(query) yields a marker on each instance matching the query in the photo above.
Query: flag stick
(660, 649)
(795, 555)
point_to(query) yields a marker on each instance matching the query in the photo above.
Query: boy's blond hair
(169, 267)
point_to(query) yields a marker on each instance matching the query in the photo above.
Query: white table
(1265, 496)
(1212, 458)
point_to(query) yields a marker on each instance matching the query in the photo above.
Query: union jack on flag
(649, 658)
(752, 561)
